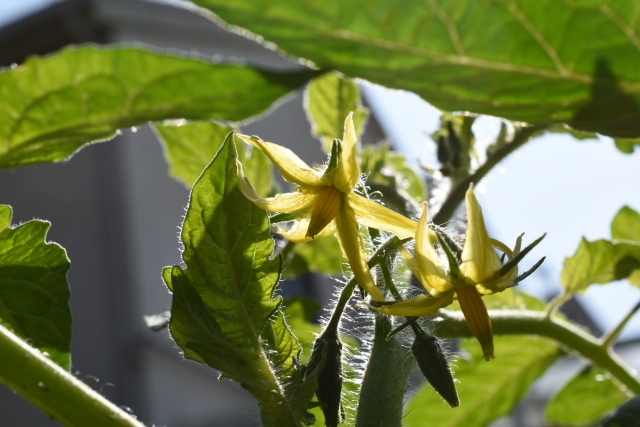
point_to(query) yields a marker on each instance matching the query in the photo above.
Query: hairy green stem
(381, 398)
(524, 322)
(54, 390)
(456, 196)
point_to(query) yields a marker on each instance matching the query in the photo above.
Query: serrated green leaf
(600, 262)
(321, 255)
(329, 100)
(283, 347)
(299, 313)
(223, 299)
(34, 293)
(54, 105)
(531, 61)
(585, 399)
(626, 415)
(190, 146)
(487, 390)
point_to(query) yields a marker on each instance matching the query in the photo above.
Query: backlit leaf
(52, 106)
(532, 61)
(487, 390)
(585, 399)
(34, 293)
(329, 100)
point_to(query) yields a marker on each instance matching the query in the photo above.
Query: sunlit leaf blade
(226, 250)
(626, 225)
(52, 106)
(196, 330)
(190, 146)
(223, 299)
(531, 61)
(487, 390)
(585, 399)
(329, 100)
(283, 347)
(605, 261)
(34, 293)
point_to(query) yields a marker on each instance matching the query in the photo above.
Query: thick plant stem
(54, 390)
(524, 322)
(456, 196)
(381, 399)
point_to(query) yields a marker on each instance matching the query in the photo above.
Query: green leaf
(389, 173)
(487, 390)
(284, 349)
(34, 293)
(322, 255)
(604, 261)
(601, 261)
(532, 61)
(627, 415)
(54, 105)
(329, 100)
(626, 145)
(626, 225)
(299, 313)
(585, 399)
(223, 299)
(190, 146)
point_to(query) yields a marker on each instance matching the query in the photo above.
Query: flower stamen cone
(324, 210)
(475, 313)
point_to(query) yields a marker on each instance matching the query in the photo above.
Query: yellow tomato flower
(325, 203)
(478, 271)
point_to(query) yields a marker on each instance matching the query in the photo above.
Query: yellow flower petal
(352, 246)
(409, 261)
(298, 232)
(284, 202)
(421, 305)
(432, 273)
(325, 210)
(348, 173)
(479, 261)
(475, 312)
(292, 168)
(374, 215)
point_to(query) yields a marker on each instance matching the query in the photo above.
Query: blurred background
(115, 210)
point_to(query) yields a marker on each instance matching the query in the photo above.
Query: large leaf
(487, 390)
(329, 100)
(190, 146)
(34, 293)
(52, 106)
(223, 299)
(585, 399)
(526, 60)
(604, 261)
